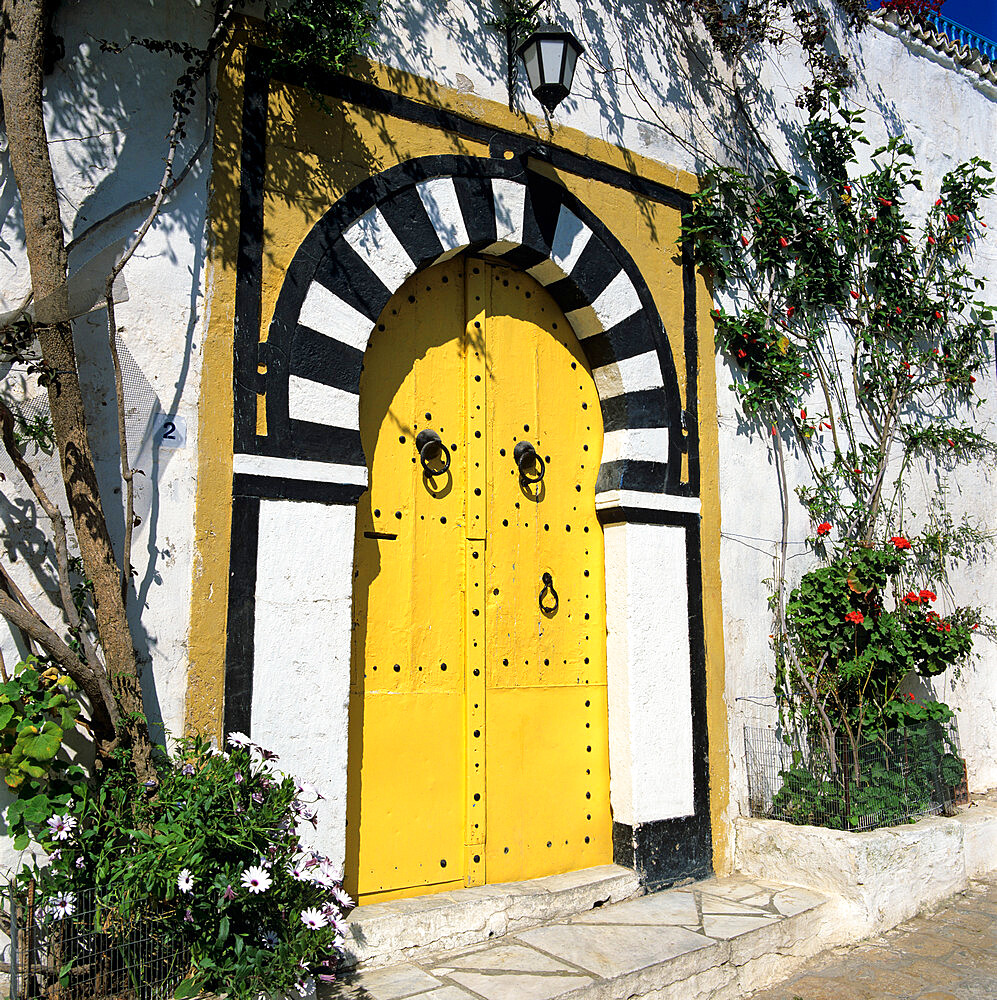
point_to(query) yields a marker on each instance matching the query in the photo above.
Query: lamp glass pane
(571, 58)
(551, 53)
(531, 59)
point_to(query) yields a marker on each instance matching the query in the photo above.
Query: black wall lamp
(548, 54)
(549, 57)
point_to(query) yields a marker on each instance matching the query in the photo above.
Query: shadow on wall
(107, 115)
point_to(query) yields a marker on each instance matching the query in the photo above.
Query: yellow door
(478, 712)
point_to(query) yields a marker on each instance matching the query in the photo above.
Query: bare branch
(58, 528)
(166, 184)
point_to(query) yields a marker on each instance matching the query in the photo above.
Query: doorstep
(715, 939)
(384, 933)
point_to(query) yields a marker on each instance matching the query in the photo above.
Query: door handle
(548, 585)
(526, 455)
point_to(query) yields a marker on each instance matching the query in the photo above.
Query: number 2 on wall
(172, 432)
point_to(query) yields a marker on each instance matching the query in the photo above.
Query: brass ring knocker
(548, 584)
(526, 455)
(430, 446)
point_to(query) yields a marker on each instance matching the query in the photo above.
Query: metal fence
(964, 36)
(897, 779)
(74, 948)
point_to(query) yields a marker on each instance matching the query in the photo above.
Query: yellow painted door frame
(493, 766)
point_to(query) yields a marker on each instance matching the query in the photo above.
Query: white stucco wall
(648, 87)
(654, 89)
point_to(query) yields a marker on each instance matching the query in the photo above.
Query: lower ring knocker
(548, 584)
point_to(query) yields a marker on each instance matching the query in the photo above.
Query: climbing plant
(857, 338)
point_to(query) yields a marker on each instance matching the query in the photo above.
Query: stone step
(383, 933)
(714, 940)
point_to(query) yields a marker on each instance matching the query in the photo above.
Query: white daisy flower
(61, 826)
(341, 896)
(185, 881)
(255, 879)
(270, 939)
(296, 871)
(313, 919)
(239, 740)
(64, 905)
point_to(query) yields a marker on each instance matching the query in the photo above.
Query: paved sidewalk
(682, 944)
(948, 953)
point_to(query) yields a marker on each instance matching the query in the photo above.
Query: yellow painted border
(212, 521)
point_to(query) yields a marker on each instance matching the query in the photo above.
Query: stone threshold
(714, 940)
(385, 933)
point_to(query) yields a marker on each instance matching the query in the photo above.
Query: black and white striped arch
(409, 218)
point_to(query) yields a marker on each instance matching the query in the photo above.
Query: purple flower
(187, 769)
(188, 916)
(238, 777)
(257, 797)
(229, 893)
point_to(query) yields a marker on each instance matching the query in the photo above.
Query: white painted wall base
(302, 644)
(650, 696)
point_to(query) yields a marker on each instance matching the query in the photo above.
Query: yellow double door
(478, 714)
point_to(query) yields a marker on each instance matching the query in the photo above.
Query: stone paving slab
(685, 942)
(947, 953)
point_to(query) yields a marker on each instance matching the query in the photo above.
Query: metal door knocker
(431, 447)
(548, 584)
(525, 456)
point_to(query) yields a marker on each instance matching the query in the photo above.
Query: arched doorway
(478, 744)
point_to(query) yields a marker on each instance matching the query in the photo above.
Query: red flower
(883, 201)
(783, 242)
(803, 414)
(824, 528)
(903, 239)
(931, 240)
(898, 310)
(742, 354)
(950, 441)
(744, 240)
(900, 542)
(972, 378)
(952, 218)
(853, 293)
(974, 627)
(855, 616)
(928, 595)
(872, 218)
(912, 597)
(911, 696)
(790, 311)
(938, 315)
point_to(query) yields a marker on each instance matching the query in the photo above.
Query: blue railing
(965, 36)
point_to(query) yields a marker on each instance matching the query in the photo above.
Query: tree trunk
(21, 88)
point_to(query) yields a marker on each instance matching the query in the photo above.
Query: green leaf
(6, 714)
(45, 745)
(37, 809)
(187, 988)
(21, 841)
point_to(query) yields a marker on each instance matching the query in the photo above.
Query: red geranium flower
(911, 696)
(783, 242)
(900, 542)
(824, 528)
(928, 595)
(855, 616)
(912, 597)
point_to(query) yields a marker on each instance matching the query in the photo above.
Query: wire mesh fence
(897, 779)
(71, 947)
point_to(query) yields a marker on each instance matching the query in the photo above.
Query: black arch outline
(324, 248)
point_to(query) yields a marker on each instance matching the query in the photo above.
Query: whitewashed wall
(656, 90)
(653, 89)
